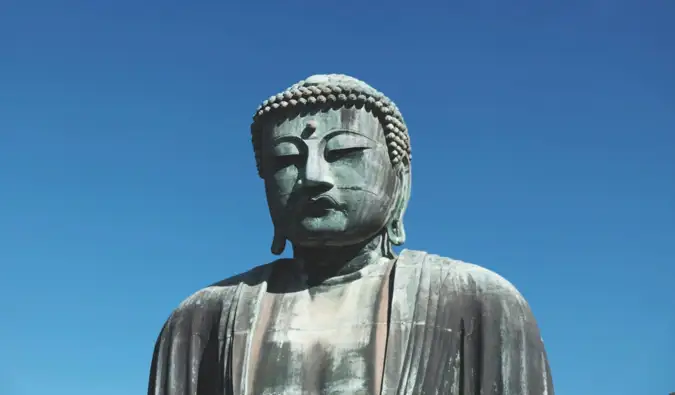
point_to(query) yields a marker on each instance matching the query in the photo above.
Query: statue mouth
(320, 206)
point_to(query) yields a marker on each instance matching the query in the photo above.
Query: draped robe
(449, 328)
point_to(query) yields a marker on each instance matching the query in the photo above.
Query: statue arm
(185, 360)
(193, 351)
(513, 358)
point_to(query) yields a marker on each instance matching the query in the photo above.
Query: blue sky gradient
(543, 136)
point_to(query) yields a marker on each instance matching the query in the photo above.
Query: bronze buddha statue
(346, 315)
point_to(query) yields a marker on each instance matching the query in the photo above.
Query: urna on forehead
(323, 92)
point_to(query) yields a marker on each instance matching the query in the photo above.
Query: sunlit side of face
(328, 177)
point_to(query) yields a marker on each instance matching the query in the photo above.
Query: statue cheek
(380, 178)
(278, 193)
(277, 205)
(365, 172)
(284, 180)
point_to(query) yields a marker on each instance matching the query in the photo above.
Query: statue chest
(322, 340)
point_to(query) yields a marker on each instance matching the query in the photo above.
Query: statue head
(334, 154)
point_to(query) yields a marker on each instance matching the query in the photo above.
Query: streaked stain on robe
(451, 328)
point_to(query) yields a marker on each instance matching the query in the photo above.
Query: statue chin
(316, 241)
(333, 237)
(336, 230)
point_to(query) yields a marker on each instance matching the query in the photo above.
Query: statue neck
(322, 263)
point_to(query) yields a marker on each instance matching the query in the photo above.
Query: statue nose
(317, 174)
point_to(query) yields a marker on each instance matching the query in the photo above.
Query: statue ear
(278, 243)
(395, 228)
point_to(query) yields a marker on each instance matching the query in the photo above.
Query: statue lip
(323, 200)
(320, 205)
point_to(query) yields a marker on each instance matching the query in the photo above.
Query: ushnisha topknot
(336, 90)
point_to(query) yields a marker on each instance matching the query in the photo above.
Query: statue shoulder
(223, 292)
(468, 278)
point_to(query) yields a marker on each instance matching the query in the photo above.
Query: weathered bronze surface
(346, 315)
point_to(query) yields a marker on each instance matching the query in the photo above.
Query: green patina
(345, 315)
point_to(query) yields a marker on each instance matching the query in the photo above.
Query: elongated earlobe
(396, 232)
(395, 229)
(278, 243)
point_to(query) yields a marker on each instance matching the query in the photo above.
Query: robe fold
(451, 328)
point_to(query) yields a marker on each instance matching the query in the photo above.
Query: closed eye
(284, 161)
(337, 154)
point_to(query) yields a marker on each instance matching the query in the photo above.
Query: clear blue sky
(543, 136)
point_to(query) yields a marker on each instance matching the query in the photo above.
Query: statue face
(328, 177)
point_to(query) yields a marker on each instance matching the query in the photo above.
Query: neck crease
(323, 263)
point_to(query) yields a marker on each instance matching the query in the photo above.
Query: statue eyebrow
(299, 141)
(334, 132)
(289, 138)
